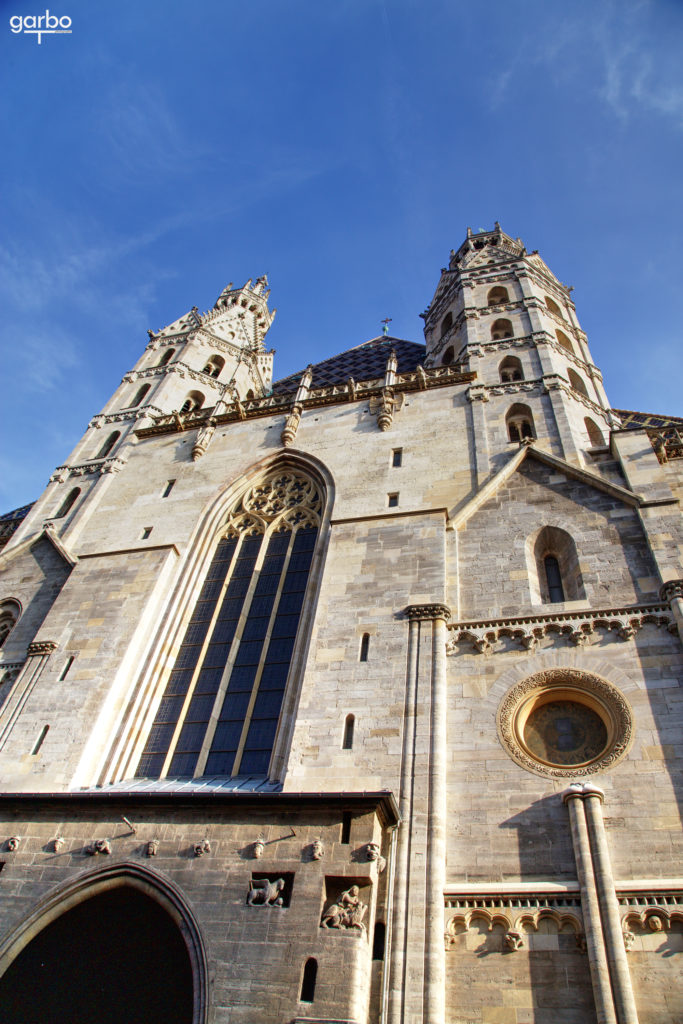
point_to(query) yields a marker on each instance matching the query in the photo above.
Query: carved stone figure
(629, 939)
(655, 923)
(202, 847)
(347, 912)
(58, 843)
(97, 847)
(514, 941)
(372, 852)
(317, 849)
(264, 893)
(152, 847)
(258, 847)
(13, 843)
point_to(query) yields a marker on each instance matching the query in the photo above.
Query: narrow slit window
(364, 647)
(65, 670)
(378, 941)
(39, 742)
(346, 828)
(308, 981)
(397, 457)
(349, 725)
(554, 579)
(146, 532)
(69, 503)
(168, 488)
(392, 500)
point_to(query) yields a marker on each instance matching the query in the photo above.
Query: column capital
(671, 589)
(581, 791)
(426, 612)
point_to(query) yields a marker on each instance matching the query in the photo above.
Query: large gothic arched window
(221, 708)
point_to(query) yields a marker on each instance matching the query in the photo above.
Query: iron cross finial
(386, 322)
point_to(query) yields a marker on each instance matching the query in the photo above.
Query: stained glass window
(220, 711)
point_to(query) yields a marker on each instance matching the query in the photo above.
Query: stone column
(609, 907)
(476, 396)
(595, 940)
(397, 952)
(435, 957)
(38, 655)
(672, 591)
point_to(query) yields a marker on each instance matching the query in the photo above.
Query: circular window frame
(584, 688)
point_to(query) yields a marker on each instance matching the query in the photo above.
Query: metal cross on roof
(386, 322)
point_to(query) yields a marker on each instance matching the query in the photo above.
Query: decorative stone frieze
(517, 914)
(575, 627)
(346, 912)
(108, 465)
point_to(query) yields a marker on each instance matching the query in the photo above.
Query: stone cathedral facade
(352, 697)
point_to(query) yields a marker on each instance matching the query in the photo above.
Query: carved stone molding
(38, 647)
(427, 612)
(615, 707)
(671, 589)
(112, 465)
(574, 627)
(518, 915)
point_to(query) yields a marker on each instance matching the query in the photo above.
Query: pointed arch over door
(135, 953)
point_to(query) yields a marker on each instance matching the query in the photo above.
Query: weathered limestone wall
(255, 954)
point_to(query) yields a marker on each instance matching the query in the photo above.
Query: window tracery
(221, 708)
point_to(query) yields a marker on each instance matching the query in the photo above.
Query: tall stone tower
(500, 312)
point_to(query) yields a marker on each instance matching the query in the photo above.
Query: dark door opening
(116, 957)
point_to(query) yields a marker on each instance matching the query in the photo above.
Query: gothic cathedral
(352, 697)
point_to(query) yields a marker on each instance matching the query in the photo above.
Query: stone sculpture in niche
(347, 912)
(655, 923)
(13, 843)
(264, 893)
(97, 847)
(152, 848)
(629, 939)
(204, 846)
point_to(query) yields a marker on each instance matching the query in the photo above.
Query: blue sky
(163, 149)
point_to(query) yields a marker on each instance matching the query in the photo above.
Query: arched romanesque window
(220, 712)
(564, 341)
(511, 369)
(595, 435)
(10, 611)
(519, 422)
(68, 503)
(194, 401)
(577, 382)
(214, 365)
(554, 570)
(167, 357)
(497, 296)
(500, 329)
(553, 306)
(108, 444)
(446, 323)
(139, 396)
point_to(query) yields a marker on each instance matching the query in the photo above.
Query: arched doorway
(115, 954)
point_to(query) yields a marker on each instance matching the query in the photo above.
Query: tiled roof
(636, 420)
(17, 513)
(364, 362)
